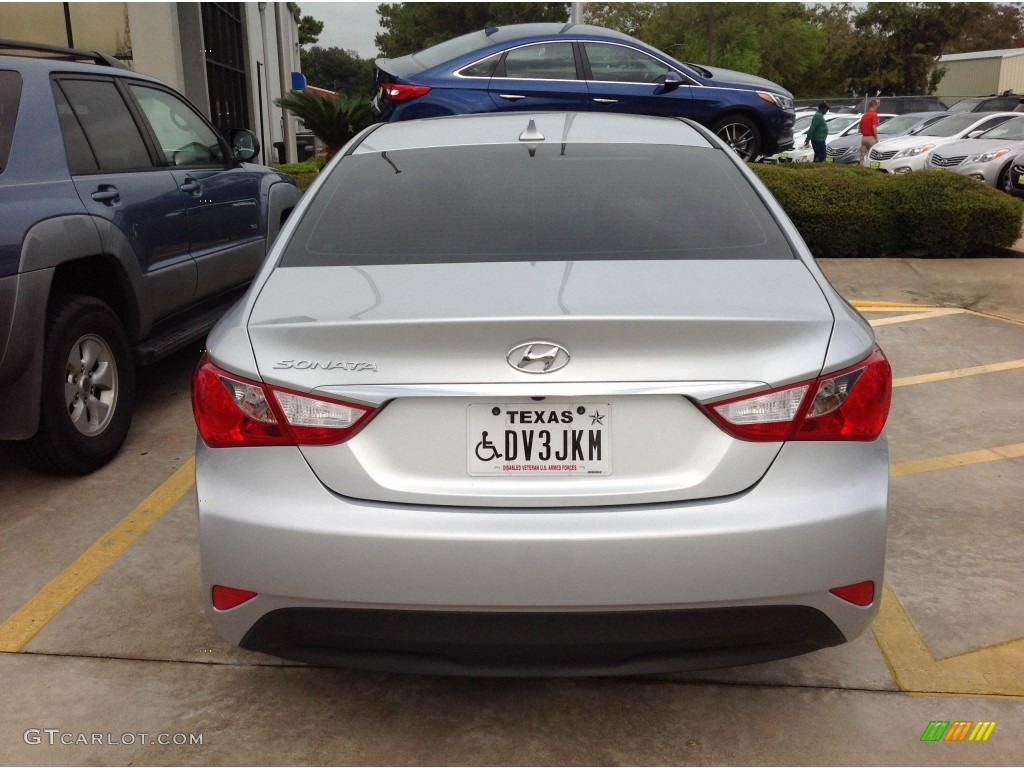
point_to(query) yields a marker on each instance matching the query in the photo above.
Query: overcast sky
(350, 26)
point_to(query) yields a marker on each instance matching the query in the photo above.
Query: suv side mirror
(244, 144)
(671, 82)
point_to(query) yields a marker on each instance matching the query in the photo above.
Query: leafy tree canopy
(338, 70)
(410, 27)
(827, 49)
(309, 30)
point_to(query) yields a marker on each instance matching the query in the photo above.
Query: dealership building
(232, 60)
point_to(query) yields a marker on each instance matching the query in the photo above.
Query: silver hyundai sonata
(541, 394)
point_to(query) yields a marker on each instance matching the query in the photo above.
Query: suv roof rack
(59, 52)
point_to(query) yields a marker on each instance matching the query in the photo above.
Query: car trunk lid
(433, 341)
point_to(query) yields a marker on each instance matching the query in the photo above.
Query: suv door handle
(107, 194)
(511, 96)
(607, 101)
(191, 187)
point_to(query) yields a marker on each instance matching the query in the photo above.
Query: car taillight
(404, 91)
(233, 411)
(851, 404)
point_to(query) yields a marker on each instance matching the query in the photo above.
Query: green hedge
(304, 173)
(846, 210)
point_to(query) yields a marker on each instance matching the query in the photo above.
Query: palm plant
(333, 120)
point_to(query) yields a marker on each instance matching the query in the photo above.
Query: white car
(904, 154)
(986, 158)
(837, 124)
(837, 129)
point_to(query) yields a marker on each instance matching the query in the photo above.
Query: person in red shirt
(868, 130)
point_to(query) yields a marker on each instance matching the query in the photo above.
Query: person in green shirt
(817, 133)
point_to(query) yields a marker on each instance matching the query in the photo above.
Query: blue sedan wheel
(741, 134)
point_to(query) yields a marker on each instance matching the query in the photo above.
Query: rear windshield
(10, 95)
(965, 105)
(452, 49)
(498, 203)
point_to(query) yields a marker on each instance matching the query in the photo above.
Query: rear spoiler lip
(402, 67)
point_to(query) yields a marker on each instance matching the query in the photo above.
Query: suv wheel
(741, 134)
(88, 388)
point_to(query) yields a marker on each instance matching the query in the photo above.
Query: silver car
(986, 157)
(845, 150)
(525, 394)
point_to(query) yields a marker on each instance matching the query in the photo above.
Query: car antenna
(531, 135)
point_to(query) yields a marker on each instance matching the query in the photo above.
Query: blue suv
(576, 67)
(128, 225)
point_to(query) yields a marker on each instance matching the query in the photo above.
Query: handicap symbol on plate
(486, 450)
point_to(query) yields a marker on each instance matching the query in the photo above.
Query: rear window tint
(109, 128)
(10, 96)
(80, 156)
(452, 49)
(499, 203)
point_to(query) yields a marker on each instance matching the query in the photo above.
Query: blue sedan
(576, 67)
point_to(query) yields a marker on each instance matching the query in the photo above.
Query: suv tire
(88, 388)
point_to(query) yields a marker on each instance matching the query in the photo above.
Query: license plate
(784, 156)
(829, 160)
(875, 164)
(531, 439)
(1020, 179)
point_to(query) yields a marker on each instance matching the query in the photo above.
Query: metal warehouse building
(982, 73)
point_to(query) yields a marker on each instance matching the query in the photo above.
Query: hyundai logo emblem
(538, 357)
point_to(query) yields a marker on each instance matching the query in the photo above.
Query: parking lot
(108, 658)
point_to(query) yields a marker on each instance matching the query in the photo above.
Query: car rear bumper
(655, 587)
(541, 643)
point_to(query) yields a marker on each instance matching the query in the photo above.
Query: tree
(901, 42)
(309, 30)
(989, 26)
(410, 27)
(779, 41)
(333, 120)
(841, 48)
(338, 70)
(630, 18)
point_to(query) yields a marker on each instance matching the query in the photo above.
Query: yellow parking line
(958, 373)
(29, 620)
(916, 316)
(992, 671)
(904, 468)
(887, 306)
